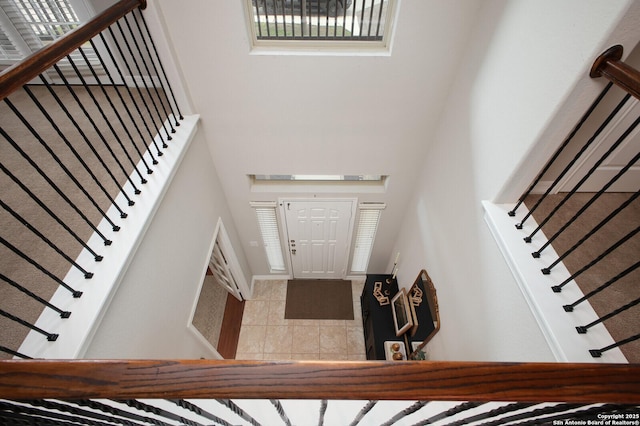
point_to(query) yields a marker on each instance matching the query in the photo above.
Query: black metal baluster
(597, 353)
(558, 288)
(50, 243)
(99, 134)
(575, 159)
(199, 411)
(239, 411)
(164, 73)
(85, 138)
(133, 101)
(485, 415)
(155, 70)
(567, 411)
(118, 412)
(593, 199)
(587, 176)
(49, 181)
(363, 412)
(555, 156)
(79, 415)
(119, 117)
(63, 314)
(145, 85)
(569, 308)
(408, 411)
(134, 403)
(280, 409)
(584, 328)
(452, 412)
(20, 253)
(113, 132)
(52, 337)
(547, 270)
(142, 98)
(78, 157)
(38, 201)
(14, 353)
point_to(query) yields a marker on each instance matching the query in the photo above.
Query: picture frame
(402, 318)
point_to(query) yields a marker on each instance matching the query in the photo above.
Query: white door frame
(220, 235)
(284, 231)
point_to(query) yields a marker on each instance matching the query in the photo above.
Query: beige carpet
(12, 300)
(210, 310)
(627, 323)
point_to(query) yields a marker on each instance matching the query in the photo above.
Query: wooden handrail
(35, 64)
(609, 65)
(361, 380)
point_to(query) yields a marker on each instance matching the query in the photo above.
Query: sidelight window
(268, 223)
(365, 235)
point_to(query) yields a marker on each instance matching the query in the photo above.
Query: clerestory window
(359, 25)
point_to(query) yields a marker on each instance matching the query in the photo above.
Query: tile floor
(266, 335)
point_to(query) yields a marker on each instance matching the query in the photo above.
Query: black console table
(377, 320)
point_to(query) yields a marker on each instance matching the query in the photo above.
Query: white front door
(319, 236)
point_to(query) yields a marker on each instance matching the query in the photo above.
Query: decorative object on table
(415, 296)
(424, 284)
(395, 350)
(402, 318)
(394, 269)
(418, 353)
(379, 295)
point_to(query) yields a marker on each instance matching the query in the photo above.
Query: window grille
(28, 25)
(365, 236)
(321, 20)
(268, 223)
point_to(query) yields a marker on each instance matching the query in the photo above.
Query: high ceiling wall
(275, 114)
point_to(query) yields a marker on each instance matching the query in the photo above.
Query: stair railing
(83, 123)
(606, 129)
(259, 392)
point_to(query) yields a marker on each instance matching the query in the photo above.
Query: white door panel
(319, 233)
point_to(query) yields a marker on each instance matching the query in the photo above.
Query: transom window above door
(347, 25)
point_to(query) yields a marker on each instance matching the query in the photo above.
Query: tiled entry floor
(266, 335)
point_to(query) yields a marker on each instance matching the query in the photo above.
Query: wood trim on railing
(35, 64)
(610, 66)
(366, 380)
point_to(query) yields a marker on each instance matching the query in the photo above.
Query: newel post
(610, 66)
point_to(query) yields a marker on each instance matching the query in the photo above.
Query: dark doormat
(319, 299)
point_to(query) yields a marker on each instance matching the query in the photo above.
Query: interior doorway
(318, 236)
(224, 266)
(223, 277)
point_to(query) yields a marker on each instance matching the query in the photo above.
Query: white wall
(523, 60)
(317, 114)
(149, 314)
